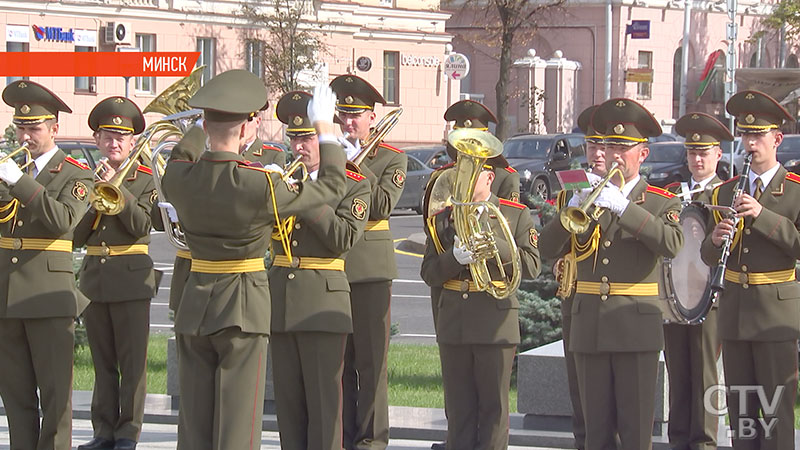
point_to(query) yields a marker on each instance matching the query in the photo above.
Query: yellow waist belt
(53, 245)
(466, 285)
(185, 254)
(228, 266)
(745, 278)
(377, 225)
(116, 250)
(309, 262)
(604, 288)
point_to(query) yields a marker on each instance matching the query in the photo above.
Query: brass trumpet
(576, 219)
(377, 134)
(22, 148)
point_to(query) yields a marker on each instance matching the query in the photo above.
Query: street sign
(639, 75)
(456, 66)
(638, 29)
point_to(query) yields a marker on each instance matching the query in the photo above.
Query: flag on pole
(708, 74)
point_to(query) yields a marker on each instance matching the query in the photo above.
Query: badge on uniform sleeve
(79, 191)
(515, 197)
(153, 196)
(399, 178)
(359, 209)
(673, 216)
(534, 238)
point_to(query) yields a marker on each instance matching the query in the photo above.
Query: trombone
(377, 134)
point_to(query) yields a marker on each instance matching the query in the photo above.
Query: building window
(791, 62)
(718, 81)
(391, 77)
(85, 84)
(208, 51)
(645, 90)
(254, 57)
(16, 47)
(146, 43)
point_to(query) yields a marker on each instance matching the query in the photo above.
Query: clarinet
(718, 281)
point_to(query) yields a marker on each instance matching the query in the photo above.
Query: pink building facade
(579, 32)
(397, 45)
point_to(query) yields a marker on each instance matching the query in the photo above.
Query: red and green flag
(708, 73)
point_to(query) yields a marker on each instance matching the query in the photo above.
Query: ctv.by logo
(747, 427)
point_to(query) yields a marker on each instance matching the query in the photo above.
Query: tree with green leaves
(786, 12)
(503, 25)
(291, 47)
(10, 138)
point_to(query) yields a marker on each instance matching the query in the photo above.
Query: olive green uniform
(40, 302)
(223, 320)
(370, 268)
(691, 353)
(119, 281)
(759, 324)
(265, 154)
(616, 336)
(311, 319)
(477, 333)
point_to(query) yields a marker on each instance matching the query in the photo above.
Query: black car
(537, 158)
(667, 164)
(433, 156)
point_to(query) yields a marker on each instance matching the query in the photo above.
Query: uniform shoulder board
(144, 169)
(791, 176)
(389, 147)
(76, 163)
(354, 176)
(512, 204)
(671, 186)
(353, 167)
(510, 169)
(729, 180)
(659, 191)
(446, 166)
(271, 147)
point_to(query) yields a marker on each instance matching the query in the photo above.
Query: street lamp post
(730, 63)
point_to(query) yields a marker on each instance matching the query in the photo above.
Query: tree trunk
(501, 89)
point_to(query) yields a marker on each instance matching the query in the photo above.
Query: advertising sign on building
(639, 75)
(86, 38)
(456, 66)
(17, 33)
(638, 29)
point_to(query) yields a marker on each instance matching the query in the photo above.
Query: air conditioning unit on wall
(118, 33)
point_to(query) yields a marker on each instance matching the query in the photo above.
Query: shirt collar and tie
(757, 183)
(629, 185)
(41, 161)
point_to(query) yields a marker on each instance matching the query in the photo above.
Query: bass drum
(685, 278)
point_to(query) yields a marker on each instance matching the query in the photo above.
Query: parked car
(667, 164)
(433, 156)
(537, 158)
(82, 150)
(417, 176)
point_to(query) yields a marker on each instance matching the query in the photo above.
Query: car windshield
(421, 155)
(790, 144)
(527, 148)
(665, 153)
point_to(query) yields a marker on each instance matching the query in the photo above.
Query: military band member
(759, 310)
(595, 157)
(117, 276)
(310, 298)
(255, 149)
(691, 351)
(477, 333)
(38, 297)
(370, 269)
(223, 320)
(616, 333)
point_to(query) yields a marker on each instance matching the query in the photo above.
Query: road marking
(154, 325)
(432, 336)
(401, 252)
(411, 296)
(409, 281)
(159, 304)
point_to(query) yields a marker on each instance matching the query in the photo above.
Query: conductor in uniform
(227, 208)
(616, 332)
(759, 310)
(38, 297)
(118, 278)
(310, 297)
(476, 332)
(691, 351)
(370, 269)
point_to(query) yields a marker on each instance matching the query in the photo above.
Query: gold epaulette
(144, 169)
(76, 163)
(511, 203)
(791, 176)
(510, 169)
(659, 191)
(355, 176)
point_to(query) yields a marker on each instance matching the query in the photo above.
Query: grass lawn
(415, 377)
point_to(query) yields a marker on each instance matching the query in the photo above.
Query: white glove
(349, 148)
(611, 197)
(173, 215)
(460, 252)
(322, 107)
(580, 195)
(273, 168)
(10, 172)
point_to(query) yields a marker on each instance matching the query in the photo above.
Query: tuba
(377, 134)
(173, 102)
(455, 187)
